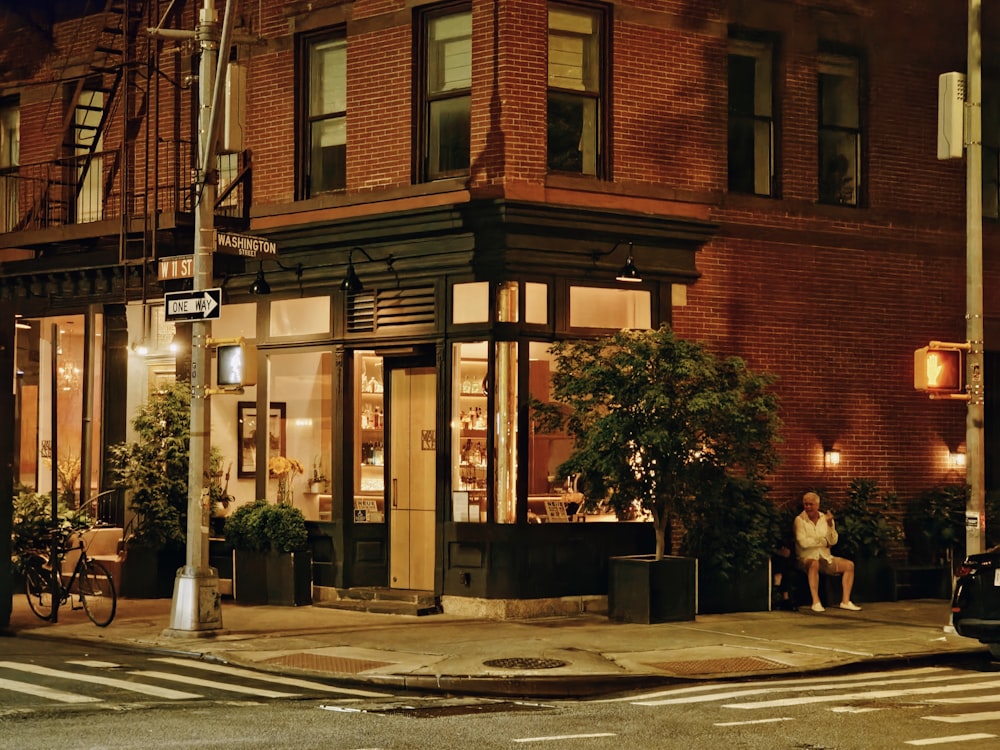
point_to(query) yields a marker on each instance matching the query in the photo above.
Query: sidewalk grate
(324, 663)
(717, 666)
(524, 663)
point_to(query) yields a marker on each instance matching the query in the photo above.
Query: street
(97, 697)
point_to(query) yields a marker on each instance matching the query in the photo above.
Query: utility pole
(975, 466)
(195, 609)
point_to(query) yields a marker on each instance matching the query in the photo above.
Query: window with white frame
(839, 129)
(751, 117)
(575, 74)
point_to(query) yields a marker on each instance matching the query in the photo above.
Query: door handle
(395, 493)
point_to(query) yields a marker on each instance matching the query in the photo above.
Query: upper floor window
(10, 120)
(751, 117)
(325, 138)
(446, 99)
(839, 130)
(575, 90)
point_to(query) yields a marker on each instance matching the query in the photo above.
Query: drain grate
(324, 663)
(716, 666)
(525, 663)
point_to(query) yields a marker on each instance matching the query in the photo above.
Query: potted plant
(659, 423)
(153, 468)
(32, 520)
(273, 563)
(733, 533)
(867, 532)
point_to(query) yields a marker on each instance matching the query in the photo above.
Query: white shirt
(813, 540)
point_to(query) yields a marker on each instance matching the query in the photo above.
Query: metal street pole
(196, 603)
(975, 511)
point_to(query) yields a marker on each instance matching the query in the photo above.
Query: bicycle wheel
(97, 591)
(38, 587)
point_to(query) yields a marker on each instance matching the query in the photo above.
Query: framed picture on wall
(247, 425)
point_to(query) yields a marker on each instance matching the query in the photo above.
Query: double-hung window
(751, 117)
(325, 137)
(447, 87)
(839, 130)
(10, 119)
(575, 90)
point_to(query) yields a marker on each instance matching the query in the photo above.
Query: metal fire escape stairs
(113, 80)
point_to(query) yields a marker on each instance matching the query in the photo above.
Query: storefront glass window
(505, 437)
(507, 302)
(468, 432)
(599, 307)
(299, 424)
(369, 438)
(471, 303)
(50, 360)
(536, 303)
(300, 317)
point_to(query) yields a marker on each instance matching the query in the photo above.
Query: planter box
(277, 578)
(150, 573)
(644, 590)
(748, 591)
(289, 578)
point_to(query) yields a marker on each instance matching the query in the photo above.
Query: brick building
(451, 187)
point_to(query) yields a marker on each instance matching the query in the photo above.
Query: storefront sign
(203, 305)
(244, 244)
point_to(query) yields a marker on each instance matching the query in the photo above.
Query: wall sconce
(629, 272)
(351, 283)
(831, 458)
(260, 286)
(956, 459)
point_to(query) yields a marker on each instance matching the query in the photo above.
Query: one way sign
(203, 305)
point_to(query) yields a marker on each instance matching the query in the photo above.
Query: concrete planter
(645, 590)
(748, 591)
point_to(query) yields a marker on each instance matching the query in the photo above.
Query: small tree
(154, 467)
(659, 422)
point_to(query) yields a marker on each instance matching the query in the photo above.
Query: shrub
(261, 526)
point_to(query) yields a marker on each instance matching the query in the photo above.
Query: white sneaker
(817, 607)
(851, 606)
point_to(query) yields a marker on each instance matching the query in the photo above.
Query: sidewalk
(566, 656)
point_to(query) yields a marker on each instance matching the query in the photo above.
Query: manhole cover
(715, 666)
(523, 663)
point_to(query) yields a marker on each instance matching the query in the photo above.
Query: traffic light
(236, 365)
(939, 368)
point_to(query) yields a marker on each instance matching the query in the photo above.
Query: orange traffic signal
(938, 370)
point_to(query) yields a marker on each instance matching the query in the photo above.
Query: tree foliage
(154, 467)
(659, 422)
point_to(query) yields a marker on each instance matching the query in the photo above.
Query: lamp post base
(196, 609)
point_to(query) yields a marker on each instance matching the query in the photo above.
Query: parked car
(976, 604)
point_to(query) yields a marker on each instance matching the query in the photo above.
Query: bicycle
(90, 583)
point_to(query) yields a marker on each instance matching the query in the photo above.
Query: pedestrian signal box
(939, 368)
(236, 365)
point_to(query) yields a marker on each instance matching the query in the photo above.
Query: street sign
(244, 244)
(176, 267)
(203, 305)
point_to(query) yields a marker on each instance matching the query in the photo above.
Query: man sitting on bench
(815, 534)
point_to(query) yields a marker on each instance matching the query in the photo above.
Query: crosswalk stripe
(266, 677)
(992, 698)
(40, 691)
(784, 688)
(868, 695)
(135, 687)
(954, 738)
(199, 682)
(967, 718)
(807, 681)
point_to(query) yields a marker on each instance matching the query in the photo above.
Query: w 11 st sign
(191, 306)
